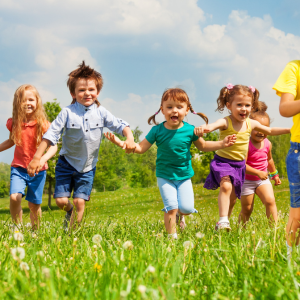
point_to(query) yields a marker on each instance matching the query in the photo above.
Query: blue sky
(142, 47)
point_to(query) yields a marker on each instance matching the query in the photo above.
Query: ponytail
(203, 116)
(255, 103)
(223, 99)
(151, 120)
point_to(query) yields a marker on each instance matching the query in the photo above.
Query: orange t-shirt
(24, 153)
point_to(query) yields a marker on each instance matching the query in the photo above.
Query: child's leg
(185, 197)
(247, 203)
(64, 203)
(16, 208)
(266, 194)
(226, 189)
(232, 202)
(170, 221)
(168, 193)
(35, 214)
(293, 226)
(78, 211)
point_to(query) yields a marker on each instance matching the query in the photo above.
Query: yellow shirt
(289, 82)
(239, 150)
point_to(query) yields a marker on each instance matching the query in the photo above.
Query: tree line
(116, 169)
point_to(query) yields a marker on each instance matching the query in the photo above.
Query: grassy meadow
(133, 258)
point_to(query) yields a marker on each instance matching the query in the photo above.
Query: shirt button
(86, 119)
(86, 110)
(296, 151)
(96, 124)
(86, 131)
(73, 125)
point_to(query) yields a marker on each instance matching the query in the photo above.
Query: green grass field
(243, 264)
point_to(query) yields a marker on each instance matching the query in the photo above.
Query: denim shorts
(293, 172)
(68, 179)
(19, 179)
(177, 194)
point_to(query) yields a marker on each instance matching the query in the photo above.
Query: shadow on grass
(45, 208)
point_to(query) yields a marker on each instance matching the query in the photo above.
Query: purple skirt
(220, 167)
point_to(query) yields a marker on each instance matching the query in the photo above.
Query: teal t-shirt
(173, 160)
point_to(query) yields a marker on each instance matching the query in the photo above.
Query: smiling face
(256, 135)
(174, 112)
(86, 92)
(240, 107)
(30, 103)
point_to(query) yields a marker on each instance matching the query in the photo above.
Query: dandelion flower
(97, 267)
(188, 245)
(151, 269)
(199, 235)
(40, 253)
(169, 249)
(18, 236)
(28, 225)
(192, 293)
(24, 266)
(128, 245)
(142, 289)
(34, 235)
(97, 239)
(298, 273)
(46, 272)
(58, 239)
(95, 247)
(18, 253)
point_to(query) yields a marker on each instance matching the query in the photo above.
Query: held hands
(34, 167)
(199, 131)
(126, 145)
(229, 140)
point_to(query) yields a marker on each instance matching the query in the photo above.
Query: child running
(173, 164)
(287, 87)
(227, 169)
(27, 126)
(82, 125)
(259, 161)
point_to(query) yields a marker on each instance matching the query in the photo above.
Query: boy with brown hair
(81, 124)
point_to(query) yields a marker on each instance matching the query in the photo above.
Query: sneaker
(67, 221)
(223, 225)
(182, 223)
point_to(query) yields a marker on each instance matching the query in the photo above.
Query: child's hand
(33, 167)
(229, 140)
(199, 131)
(111, 137)
(262, 175)
(129, 146)
(42, 162)
(277, 180)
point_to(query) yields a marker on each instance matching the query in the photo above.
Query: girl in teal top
(173, 164)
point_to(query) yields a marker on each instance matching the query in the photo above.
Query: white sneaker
(223, 225)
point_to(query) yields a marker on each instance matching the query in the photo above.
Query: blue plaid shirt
(82, 129)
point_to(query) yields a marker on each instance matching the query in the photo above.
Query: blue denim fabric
(293, 171)
(177, 194)
(19, 179)
(82, 128)
(68, 178)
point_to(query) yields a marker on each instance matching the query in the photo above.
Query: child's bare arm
(220, 124)
(34, 165)
(6, 145)
(142, 147)
(114, 139)
(268, 130)
(271, 166)
(129, 143)
(288, 107)
(207, 146)
(50, 153)
(252, 171)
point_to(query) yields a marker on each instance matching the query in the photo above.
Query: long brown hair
(19, 114)
(227, 94)
(84, 71)
(180, 95)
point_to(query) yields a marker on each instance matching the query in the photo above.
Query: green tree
(201, 160)
(4, 189)
(52, 110)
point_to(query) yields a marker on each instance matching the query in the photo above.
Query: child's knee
(247, 210)
(226, 187)
(62, 201)
(186, 209)
(15, 198)
(34, 207)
